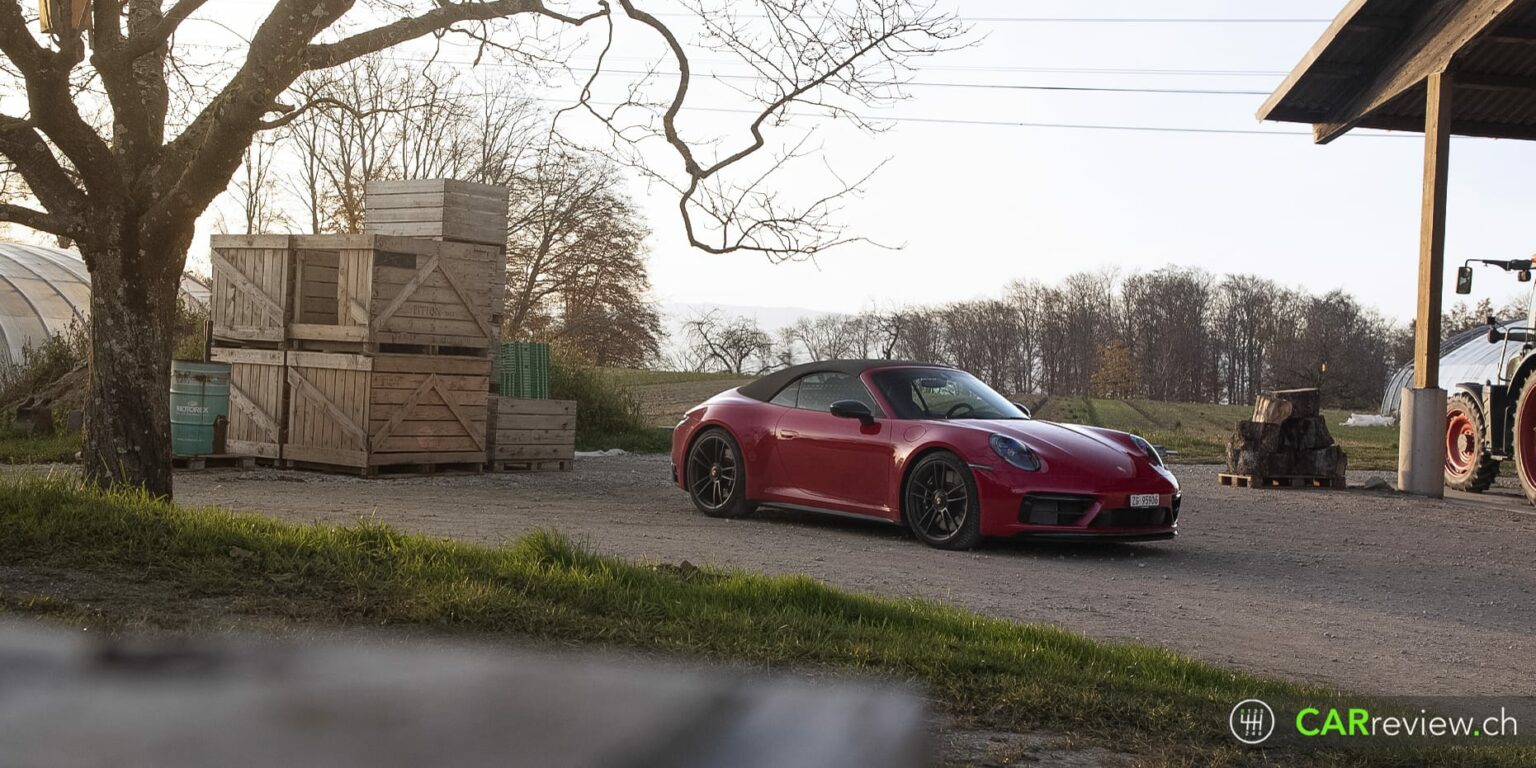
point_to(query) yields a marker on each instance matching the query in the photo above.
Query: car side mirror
(1024, 409)
(853, 409)
(1464, 280)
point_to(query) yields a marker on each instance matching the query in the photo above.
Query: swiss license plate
(1139, 500)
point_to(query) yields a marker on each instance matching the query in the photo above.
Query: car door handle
(788, 434)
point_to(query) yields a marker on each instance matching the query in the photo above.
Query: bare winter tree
(728, 345)
(127, 176)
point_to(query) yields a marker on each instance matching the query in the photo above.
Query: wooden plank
(422, 274)
(1437, 145)
(536, 422)
(224, 270)
(252, 448)
(402, 363)
(428, 457)
(408, 186)
(535, 452)
(333, 242)
(252, 409)
(510, 407)
(302, 388)
(404, 381)
(535, 437)
(321, 455)
(381, 433)
(248, 356)
(314, 332)
(250, 242)
(476, 433)
(1268, 110)
(336, 360)
(1443, 31)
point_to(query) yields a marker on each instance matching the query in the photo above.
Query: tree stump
(1288, 437)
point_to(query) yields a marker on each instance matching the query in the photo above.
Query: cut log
(1277, 406)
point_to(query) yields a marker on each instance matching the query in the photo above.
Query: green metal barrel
(199, 398)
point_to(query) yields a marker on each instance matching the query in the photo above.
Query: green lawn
(19, 449)
(1198, 433)
(152, 561)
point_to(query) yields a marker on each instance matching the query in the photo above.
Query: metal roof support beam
(1443, 31)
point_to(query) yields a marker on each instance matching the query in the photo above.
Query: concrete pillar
(1421, 443)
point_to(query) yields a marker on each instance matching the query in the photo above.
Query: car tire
(1524, 438)
(716, 474)
(936, 484)
(1469, 465)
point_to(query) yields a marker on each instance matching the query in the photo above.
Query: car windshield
(937, 393)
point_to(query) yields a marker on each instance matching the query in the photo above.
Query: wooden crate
(369, 411)
(250, 301)
(258, 394)
(443, 209)
(376, 293)
(532, 434)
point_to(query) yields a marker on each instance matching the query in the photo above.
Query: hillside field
(1195, 433)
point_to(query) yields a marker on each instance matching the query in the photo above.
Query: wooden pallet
(1250, 481)
(427, 468)
(560, 465)
(213, 461)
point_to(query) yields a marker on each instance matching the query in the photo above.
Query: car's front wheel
(717, 476)
(940, 502)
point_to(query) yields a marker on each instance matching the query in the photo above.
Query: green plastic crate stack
(522, 370)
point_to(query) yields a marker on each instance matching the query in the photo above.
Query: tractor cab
(1493, 420)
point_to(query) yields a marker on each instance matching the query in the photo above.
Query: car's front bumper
(1039, 506)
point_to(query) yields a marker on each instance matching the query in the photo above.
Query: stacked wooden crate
(359, 352)
(442, 209)
(531, 434)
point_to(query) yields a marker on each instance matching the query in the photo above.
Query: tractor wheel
(1524, 438)
(1468, 464)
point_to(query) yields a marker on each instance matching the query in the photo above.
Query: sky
(974, 207)
(978, 206)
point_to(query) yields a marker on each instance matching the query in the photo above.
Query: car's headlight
(1015, 453)
(1147, 448)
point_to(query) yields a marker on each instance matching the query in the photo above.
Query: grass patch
(54, 449)
(984, 671)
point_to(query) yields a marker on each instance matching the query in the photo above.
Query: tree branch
(43, 222)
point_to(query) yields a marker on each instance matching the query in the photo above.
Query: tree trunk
(133, 313)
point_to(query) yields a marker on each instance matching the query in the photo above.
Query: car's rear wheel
(1469, 466)
(717, 475)
(940, 502)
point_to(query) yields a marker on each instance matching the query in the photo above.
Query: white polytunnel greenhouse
(43, 290)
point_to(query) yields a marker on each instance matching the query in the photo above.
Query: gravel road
(1368, 591)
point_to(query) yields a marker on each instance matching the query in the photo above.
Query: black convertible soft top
(765, 388)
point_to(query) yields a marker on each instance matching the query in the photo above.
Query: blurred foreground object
(67, 699)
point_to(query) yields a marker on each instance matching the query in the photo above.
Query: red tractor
(1489, 421)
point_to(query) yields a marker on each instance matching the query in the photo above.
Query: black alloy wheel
(941, 504)
(717, 476)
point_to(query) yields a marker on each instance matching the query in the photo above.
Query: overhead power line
(1031, 124)
(1082, 19)
(1002, 86)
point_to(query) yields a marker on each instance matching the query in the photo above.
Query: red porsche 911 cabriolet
(925, 446)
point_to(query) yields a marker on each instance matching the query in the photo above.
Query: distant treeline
(1175, 334)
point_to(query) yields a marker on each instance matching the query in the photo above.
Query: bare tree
(728, 345)
(127, 175)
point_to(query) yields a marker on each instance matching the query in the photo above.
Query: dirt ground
(1367, 591)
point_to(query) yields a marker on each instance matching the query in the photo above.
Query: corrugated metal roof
(1495, 74)
(1466, 358)
(44, 290)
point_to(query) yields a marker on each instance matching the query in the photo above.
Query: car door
(831, 462)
